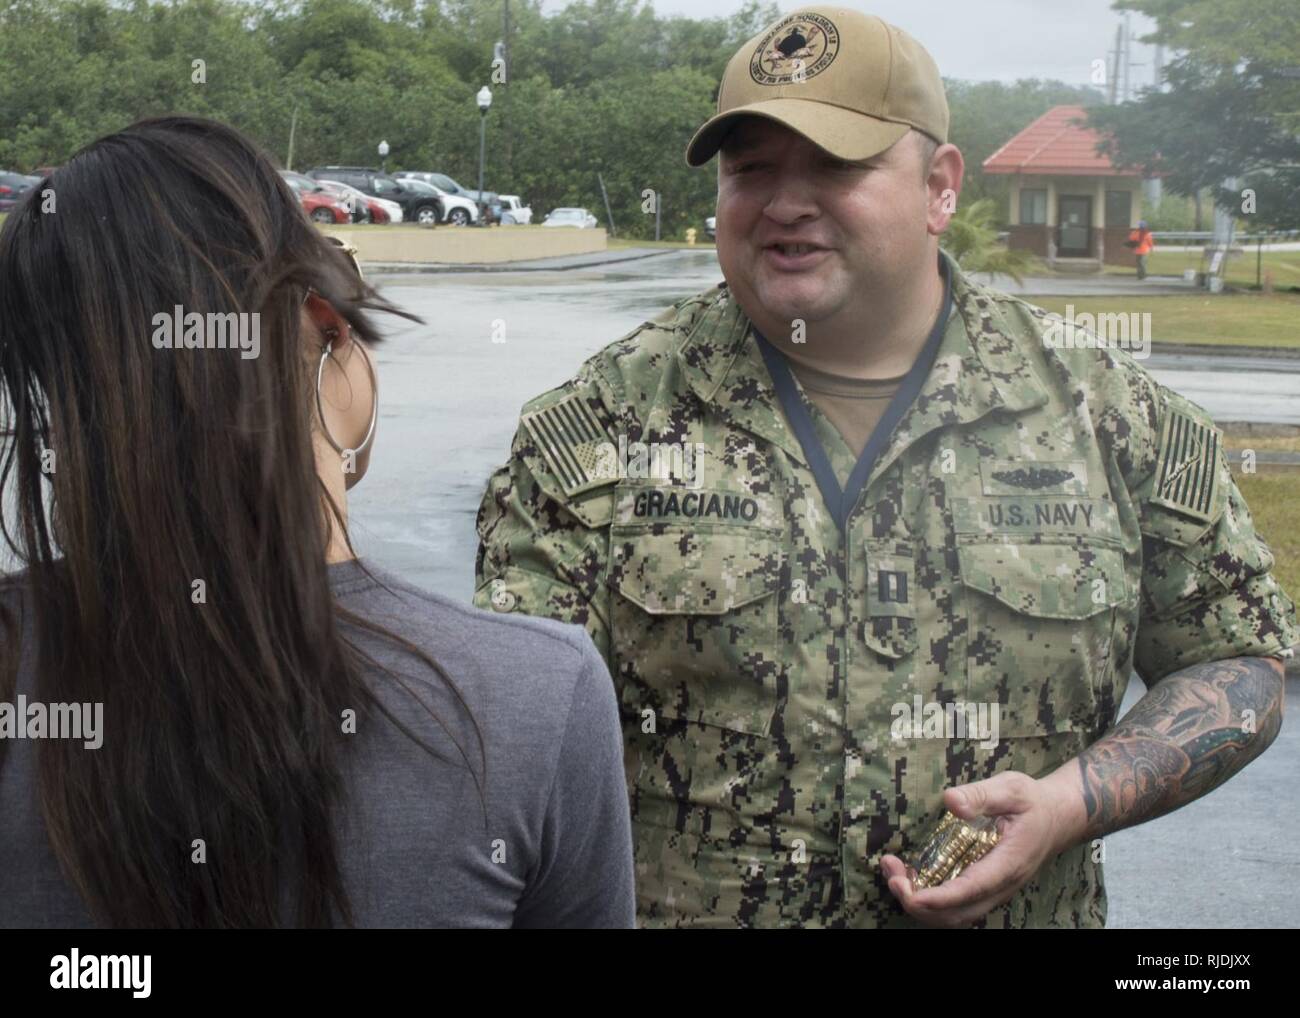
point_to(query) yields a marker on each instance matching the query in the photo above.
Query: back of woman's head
(162, 491)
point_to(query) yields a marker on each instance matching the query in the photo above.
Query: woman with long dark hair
(286, 736)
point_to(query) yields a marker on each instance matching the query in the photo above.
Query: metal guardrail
(1168, 235)
(1266, 237)
(1191, 238)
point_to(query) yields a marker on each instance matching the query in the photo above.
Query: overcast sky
(986, 40)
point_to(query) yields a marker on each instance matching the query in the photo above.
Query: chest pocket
(1044, 579)
(1041, 617)
(694, 622)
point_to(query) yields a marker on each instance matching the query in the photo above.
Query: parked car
(377, 210)
(457, 211)
(445, 184)
(438, 180)
(349, 197)
(12, 188)
(360, 213)
(580, 218)
(514, 211)
(296, 180)
(711, 227)
(490, 203)
(319, 204)
(416, 207)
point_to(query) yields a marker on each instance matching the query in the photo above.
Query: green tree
(1232, 107)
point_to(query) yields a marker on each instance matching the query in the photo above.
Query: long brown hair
(222, 717)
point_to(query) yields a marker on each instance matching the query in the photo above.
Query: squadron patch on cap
(797, 48)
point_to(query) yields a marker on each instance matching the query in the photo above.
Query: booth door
(1075, 219)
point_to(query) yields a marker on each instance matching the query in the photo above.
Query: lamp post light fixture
(484, 99)
(383, 155)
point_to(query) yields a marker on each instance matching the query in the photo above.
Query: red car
(374, 212)
(13, 186)
(319, 204)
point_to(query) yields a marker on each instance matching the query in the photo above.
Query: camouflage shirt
(1042, 522)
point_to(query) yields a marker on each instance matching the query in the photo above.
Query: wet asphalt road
(450, 402)
(451, 396)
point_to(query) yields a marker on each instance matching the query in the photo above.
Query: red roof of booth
(1056, 143)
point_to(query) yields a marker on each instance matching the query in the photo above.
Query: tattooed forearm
(1186, 737)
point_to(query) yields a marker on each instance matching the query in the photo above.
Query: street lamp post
(484, 98)
(383, 155)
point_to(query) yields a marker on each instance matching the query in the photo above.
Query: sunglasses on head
(348, 249)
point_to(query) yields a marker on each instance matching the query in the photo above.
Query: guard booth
(1069, 205)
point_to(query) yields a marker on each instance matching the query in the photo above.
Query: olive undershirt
(853, 405)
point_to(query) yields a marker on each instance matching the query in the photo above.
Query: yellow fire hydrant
(690, 236)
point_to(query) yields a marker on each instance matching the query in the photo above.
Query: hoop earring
(320, 406)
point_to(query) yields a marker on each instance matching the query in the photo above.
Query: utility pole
(1114, 76)
(1154, 186)
(1128, 57)
(608, 212)
(1128, 43)
(293, 127)
(1225, 224)
(505, 105)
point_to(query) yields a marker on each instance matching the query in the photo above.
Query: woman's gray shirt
(547, 844)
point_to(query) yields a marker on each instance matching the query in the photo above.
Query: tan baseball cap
(847, 81)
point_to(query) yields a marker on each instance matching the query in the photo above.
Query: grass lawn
(1223, 319)
(1273, 494)
(1284, 265)
(1262, 443)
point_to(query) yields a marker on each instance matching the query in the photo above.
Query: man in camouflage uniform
(1031, 520)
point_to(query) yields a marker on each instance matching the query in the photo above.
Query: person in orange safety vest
(1142, 240)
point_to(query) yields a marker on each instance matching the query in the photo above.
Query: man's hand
(1183, 739)
(1035, 821)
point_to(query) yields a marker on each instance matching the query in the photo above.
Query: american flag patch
(1187, 472)
(574, 444)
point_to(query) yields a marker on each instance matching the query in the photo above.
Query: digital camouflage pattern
(1037, 527)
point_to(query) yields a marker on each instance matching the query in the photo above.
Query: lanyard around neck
(839, 501)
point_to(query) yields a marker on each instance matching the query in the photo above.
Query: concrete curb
(558, 264)
(1271, 457)
(1207, 350)
(1086, 286)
